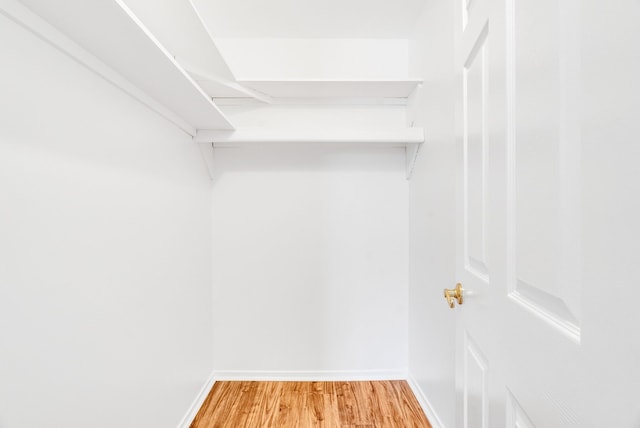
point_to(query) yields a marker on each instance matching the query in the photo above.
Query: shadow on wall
(309, 158)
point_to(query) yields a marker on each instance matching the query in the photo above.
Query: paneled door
(548, 212)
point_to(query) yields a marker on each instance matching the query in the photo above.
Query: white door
(548, 212)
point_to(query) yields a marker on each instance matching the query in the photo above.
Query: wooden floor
(311, 404)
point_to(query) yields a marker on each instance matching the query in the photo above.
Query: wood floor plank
(346, 404)
(379, 404)
(268, 409)
(408, 403)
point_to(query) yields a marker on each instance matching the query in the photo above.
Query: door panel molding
(476, 388)
(475, 139)
(543, 268)
(516, 416)
(466, 10)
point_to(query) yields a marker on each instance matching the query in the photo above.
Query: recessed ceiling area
(309, 19)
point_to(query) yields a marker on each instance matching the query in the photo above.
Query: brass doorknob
(453, 295)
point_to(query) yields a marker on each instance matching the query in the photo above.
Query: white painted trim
(197, 403)
(47, 33)
(428, 409)
(331, 375)
(261, 136)
(560, 323)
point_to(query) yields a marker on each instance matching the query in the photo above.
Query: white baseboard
(197, 403)
(335, 375)
(424, 403)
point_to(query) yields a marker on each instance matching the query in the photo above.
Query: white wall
(310, 261)
(316, 58)
(432, 212)
(105, 250)
(311, 117)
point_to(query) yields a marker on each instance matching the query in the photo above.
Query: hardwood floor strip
(223, 397)
(379, 404)
(268, 409)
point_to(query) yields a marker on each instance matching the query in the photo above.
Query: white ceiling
(221, 41)
(177, 26)
(309, 18)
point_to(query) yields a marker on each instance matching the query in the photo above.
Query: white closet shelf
(333, 88)
(243, 137)
(110, 38)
